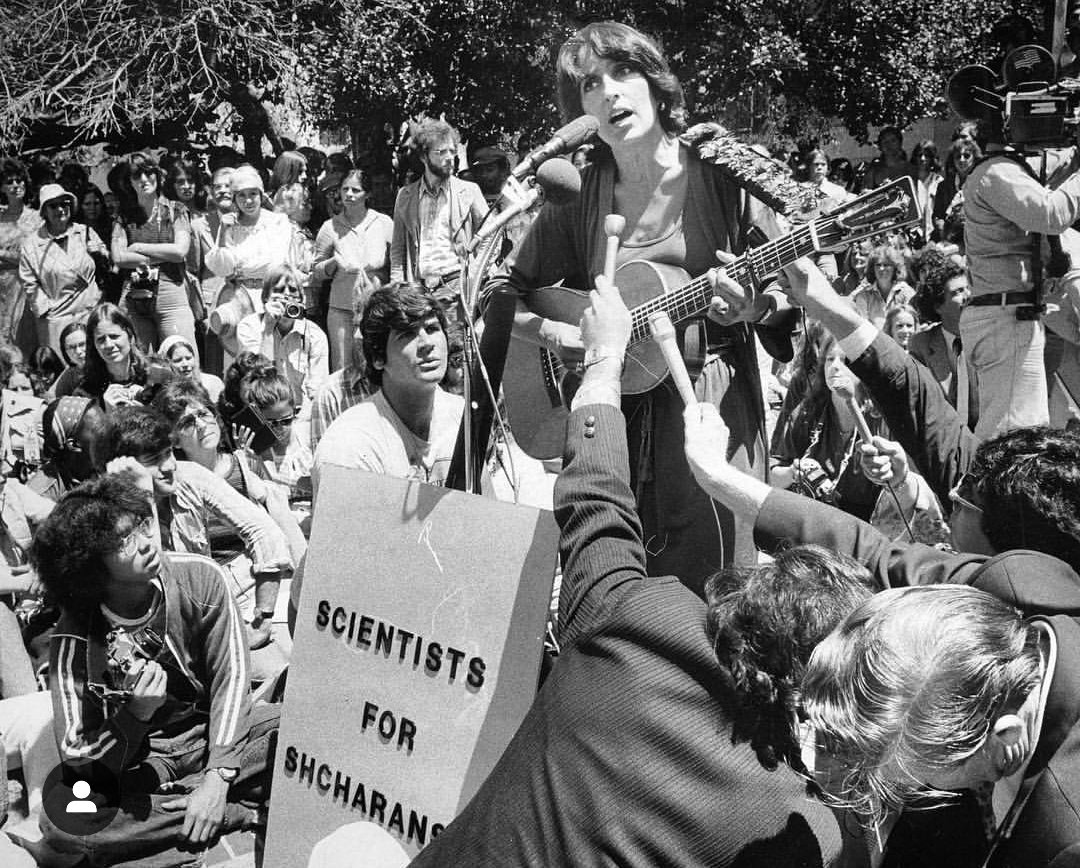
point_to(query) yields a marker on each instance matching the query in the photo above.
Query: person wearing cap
(491, 169)
(244, 250)
(57, 267)
(435, 217)
(150, 244)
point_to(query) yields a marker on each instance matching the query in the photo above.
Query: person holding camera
(1006, 208)
(298, 348)
(150, 679)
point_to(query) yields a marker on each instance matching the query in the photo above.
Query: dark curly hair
(132, 430)
(394, 307)
(1028, 483)
(610, 40)
(229, 402)
(88, 524)
(764, 623)
(931, 292)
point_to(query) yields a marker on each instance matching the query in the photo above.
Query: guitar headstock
(891, 206)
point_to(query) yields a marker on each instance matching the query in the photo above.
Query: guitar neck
(747, 270)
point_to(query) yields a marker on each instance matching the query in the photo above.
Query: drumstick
(614, 224)
(663, 332)
(860, 420)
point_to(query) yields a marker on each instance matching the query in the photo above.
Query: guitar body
(538, 390)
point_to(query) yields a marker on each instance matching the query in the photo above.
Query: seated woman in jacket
(189, 498)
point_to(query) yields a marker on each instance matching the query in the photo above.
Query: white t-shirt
(370, 436)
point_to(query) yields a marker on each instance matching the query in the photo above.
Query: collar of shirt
(436, 192)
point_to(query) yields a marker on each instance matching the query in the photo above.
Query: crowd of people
(837, 588)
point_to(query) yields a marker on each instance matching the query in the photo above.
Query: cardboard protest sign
(416, 656)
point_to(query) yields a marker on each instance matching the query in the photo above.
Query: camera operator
(298, 348)
(1005, 206)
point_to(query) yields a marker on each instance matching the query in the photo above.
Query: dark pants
(147, 836)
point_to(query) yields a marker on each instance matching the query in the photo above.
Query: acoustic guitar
(538, 387)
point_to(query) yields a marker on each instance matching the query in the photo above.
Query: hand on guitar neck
(732, 302)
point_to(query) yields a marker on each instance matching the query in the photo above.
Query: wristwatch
(227, 775)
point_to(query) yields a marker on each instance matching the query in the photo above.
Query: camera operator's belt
(1002, 299)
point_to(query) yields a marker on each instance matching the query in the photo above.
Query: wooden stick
(860, 420)
(614, 224)
(663, 332)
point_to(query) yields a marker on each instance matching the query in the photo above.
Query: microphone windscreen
(561, 181)
(578, 132)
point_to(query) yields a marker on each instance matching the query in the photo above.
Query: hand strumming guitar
(564, 340)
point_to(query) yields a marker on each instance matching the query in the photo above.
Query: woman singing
(678, 211)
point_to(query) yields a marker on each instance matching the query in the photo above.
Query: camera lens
(294, 310)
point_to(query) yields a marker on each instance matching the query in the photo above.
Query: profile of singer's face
(618, 95)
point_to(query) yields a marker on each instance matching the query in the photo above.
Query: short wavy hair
(88, 524)
(1029, 479)
(610, 40)
(893, 312)
(913, 680)
(764, 622)
(394, 307)
(930, 294)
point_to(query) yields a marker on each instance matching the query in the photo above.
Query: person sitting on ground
(408, 428)
(150, 678)
(185, 362)
(282, 333)
(188, 498)
(73, 349)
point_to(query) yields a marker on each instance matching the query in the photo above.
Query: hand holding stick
(663, 332)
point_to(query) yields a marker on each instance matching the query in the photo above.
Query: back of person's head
(1028, 483)
(174, 398)
(230, 403)
(141, 432)
(262, 388)
(88, 523)
(764, 622)
(340, 162)
(394, 307)
(911, 683)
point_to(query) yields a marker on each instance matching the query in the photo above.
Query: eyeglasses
(203, 416)
(129, 544)
(958, 499)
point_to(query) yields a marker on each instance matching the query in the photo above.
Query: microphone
(663, 332)
(614, 224)
(568, 138)
(560, 183)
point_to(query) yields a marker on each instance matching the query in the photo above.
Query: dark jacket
(627, 755)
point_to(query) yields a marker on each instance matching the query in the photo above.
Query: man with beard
(435, 216)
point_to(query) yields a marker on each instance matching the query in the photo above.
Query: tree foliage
(97, 69)
(94, 69)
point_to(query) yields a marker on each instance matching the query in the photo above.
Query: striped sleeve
(227, 666)
(83, 731)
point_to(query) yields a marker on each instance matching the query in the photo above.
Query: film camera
(294, 310)
(125, 655)
(1028, 107)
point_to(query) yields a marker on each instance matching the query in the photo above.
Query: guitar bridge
(551, 368)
